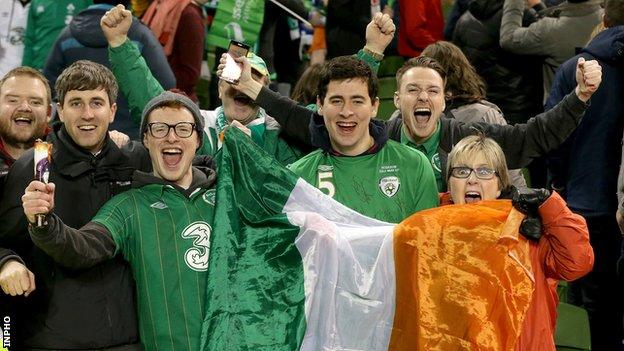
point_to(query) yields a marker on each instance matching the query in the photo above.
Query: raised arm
(542, 133)
(293, 118)
(129, 67)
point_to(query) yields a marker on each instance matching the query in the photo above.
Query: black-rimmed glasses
(484, 173)
(160, 130)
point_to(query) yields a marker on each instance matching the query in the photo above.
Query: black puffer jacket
(514, 82)
(71, 309)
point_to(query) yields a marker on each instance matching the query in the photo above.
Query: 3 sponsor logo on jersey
(196, 257)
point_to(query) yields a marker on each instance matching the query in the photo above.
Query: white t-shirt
(13, 16)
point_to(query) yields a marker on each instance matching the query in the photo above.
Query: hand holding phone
(232, 70)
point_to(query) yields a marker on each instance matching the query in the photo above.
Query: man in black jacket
(72, 309)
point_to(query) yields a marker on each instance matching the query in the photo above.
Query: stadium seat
(572, 331)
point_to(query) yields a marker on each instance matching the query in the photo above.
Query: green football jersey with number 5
(388, 185)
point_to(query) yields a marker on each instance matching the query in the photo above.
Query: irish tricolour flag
(291, 269)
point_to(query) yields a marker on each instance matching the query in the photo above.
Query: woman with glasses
(559, 247)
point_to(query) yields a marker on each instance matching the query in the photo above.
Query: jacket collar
(71, 160)
(203, 178)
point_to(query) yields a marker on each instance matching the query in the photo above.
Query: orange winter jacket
(562, 253)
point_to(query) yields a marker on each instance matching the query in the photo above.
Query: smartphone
(232, 70)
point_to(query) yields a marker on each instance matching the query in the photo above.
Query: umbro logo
(158, 205)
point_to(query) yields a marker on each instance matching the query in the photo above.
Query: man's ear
(49, 113)
(319, 105)
(396, 99)
(113, 112)
(375, 107)
(59, 110)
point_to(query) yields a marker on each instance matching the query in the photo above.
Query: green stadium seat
(386, 108)
(389, 66)
(572, 332)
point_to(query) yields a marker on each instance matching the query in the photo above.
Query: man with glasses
(139, 85)
(65, 308)
(161, 226)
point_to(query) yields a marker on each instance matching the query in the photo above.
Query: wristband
(378, 56)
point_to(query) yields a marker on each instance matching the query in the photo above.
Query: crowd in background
(518, 71)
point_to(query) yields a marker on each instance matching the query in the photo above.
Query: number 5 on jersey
(325, 183)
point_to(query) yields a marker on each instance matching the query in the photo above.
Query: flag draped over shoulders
(466, 278)
(290, 269)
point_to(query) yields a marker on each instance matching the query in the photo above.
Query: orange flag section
(463, 277)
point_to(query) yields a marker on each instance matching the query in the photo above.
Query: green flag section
(238, 20)
(292, 269)
(260, 250)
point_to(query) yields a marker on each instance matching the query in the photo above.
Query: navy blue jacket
(83, 39)
(587, 164)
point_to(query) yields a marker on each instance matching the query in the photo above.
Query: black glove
(528, 202)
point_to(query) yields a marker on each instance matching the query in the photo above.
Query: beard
(23, 139)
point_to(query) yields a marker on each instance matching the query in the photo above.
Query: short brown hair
(343, 68)
(28, 72)
(421, 61)
(467, 148)
(86, 75)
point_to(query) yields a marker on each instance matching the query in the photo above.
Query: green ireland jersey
(166, 238)
(389, 185)
(430, 148)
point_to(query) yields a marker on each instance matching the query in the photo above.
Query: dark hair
(86, 75)
(462, 80)
(614, 13)
(347, 67)
(28, 72)
(306, 88)
(420, 61)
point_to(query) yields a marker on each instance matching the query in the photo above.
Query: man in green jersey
(420, 121)
(356, 164)
(161, 226)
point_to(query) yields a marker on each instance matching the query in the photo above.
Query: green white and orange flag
(292, 269)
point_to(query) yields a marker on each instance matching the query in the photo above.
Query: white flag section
(348, 270)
